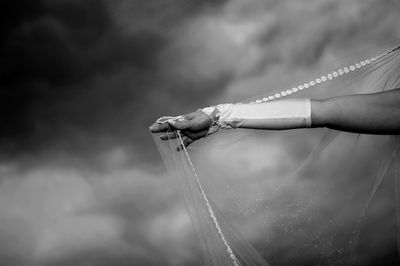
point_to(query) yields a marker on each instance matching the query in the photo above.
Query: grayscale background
(81, 181)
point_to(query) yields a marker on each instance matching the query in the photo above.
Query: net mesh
(296, 197)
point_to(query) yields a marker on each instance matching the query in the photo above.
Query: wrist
(214, 113)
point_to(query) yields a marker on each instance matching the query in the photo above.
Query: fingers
(162, 124)
(169, 135)
(195, 135)
(156, 128)
(187, 122)
(180, 125)
(186, 142)
(189, 134)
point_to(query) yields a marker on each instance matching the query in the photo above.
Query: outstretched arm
(377, 113)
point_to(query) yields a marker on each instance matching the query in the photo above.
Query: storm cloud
(80, 179)
(75, 77)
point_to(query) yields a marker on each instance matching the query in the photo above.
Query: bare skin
(376, 113)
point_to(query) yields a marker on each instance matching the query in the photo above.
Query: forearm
(377, 113)
(276, 115)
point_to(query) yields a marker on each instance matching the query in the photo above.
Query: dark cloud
(82, 80)
(73, 78)
(79, 77)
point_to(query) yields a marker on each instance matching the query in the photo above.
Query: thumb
(180, 125)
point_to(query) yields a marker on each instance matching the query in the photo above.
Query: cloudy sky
(81, 181)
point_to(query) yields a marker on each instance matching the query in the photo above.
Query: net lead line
(326, 78)
(322, 79)
(210, 209)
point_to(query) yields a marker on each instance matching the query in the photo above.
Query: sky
(81, 181)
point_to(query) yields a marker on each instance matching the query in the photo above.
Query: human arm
(377, 113)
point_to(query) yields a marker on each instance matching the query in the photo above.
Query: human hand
(192, 126)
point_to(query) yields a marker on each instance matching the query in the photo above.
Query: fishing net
(296, 197)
